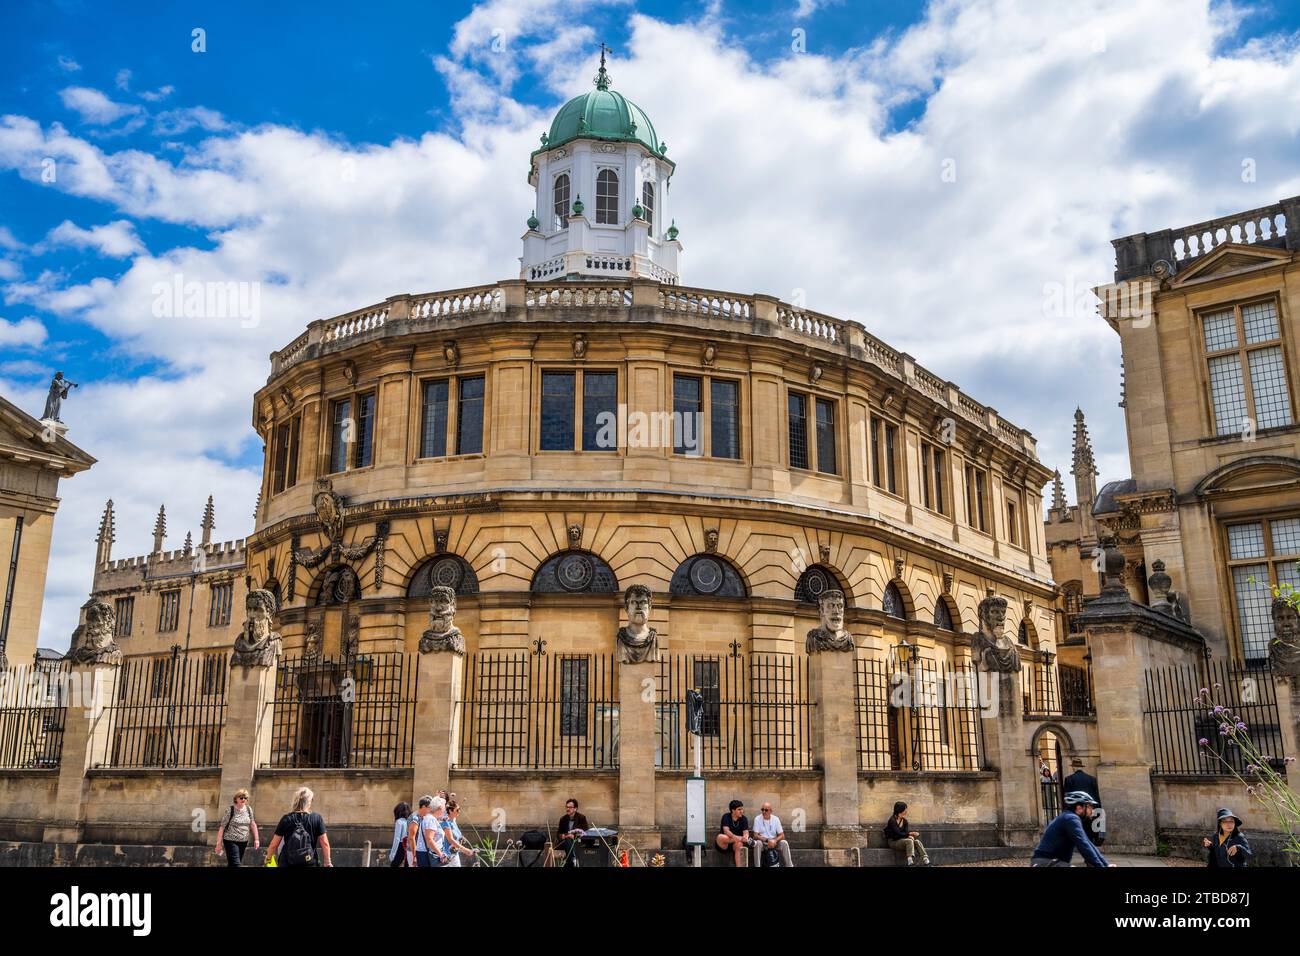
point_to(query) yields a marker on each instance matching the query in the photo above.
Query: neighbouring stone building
(34, 455)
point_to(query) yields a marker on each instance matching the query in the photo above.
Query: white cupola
(601, 178)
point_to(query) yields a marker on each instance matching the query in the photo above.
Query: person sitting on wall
(733, 832)
(1228, 847)
(571, 828)
(900, 838)
(1066, 834)
(770, 845)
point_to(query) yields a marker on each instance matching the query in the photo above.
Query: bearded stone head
(637, 599)
(99, 622)
(1286, 621)
(830, 606)
(993, 615)
(442, 608)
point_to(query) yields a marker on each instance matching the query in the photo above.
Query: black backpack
(299, 846)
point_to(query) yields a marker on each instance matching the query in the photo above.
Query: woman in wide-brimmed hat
(1228, 846)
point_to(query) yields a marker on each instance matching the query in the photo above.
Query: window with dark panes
(599, 411)
(169, 610)
(573, 696)
(469, 418)
(688, 412)
(433, 420)
(884, 455)
(558, 411)
(284, 455)
(341, 428)
(364, 437)
(932, 472)
(219, 608)
(724, 398)
(798, 411)
(826, 437)
(123, 608)
(976, 495)
(706, 678)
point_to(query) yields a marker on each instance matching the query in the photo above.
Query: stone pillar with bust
(94, 659)
(1006, 749)
(831, 683)
(637, 653)
(1127, 639)
(440, 677)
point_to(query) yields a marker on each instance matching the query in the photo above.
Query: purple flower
(1219, 708)
(1251, 791)
(1206, 743)
(1290, 759)
(1205, 692)
(1218, 686)
(1223, 731)
(1240, 725)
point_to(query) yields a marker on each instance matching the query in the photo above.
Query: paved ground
(1117, 860)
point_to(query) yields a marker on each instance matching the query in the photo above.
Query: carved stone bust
(990, 648)
(313, 640)
(442, 635)
(1284, 649)
(92, 642)
(258, 644)
(830, 635)
(638, 642)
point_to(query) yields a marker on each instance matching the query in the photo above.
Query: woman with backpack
(232, 832)
(1228, 848)
(401, 819)
(300, 832)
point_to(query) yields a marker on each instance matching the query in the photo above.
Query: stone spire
(189, 543)
(208, 523)
(1058, 492)
(257, 507)
(104, 540)
(1085, 468)
(160, 529)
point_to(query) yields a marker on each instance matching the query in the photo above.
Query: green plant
(1162, 848)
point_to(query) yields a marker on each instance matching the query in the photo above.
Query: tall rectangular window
(688, 412)
(433, 419)
(284, 455)
(884, 455)
(364, 434)
(705, 676)
(976, 484)
(798, 410)
(558, 411)
(573, 696)
(1013, 521)
(341, 429)
(169, 610)
(214, 674)
(560, 204)
(599, 411)
(1262, 555)
(469, 415)
(724, 397)
(607, 197)
(932, 472)
(826, 461)
(123, 608)
(219, 609)
(1246, 368)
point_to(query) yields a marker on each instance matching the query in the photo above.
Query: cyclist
(1066, 833)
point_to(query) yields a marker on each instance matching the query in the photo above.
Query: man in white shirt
(769, 836)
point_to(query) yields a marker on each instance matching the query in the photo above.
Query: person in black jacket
(1228, 847)
(901, 838)
(1081, 780)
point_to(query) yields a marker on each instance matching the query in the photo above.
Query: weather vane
(602, 77)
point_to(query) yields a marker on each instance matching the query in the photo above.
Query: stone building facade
(1206, 316)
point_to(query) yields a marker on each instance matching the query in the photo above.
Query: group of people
(766, 840)
(430, 836)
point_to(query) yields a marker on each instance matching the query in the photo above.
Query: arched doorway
(1048, 764)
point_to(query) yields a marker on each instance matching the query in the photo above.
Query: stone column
(85, 742)
(1288, 712)
(246, 738)
(636, 753)
(831, 680)
(1006, 750)
(441, 676)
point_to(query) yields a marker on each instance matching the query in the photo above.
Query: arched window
(338, 585)
(607, 197)
(1072, 596)
(648, 204)
(892, 602)
(942, 615)
(444, 570)
(273, 586)
(814, 581)
(1024, 633)
(707, 575)
(575, 572)
(560, 201)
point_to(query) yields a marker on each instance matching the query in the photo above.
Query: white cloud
(94, 107)
(68, 65)
(154, 96)
(123, 80)
(1065, 126)
(115, 239)
(28, 333)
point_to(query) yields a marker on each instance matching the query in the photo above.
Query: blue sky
(808, 165)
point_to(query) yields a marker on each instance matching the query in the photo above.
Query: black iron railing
(33, 709)
(918, 716)
(1178, 718)
(542, 711)
(1076, 691)
(757, 711)
(350, 711)
(1038, 687)
(167, 710)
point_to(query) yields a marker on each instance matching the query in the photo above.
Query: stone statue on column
(257, 644)
(1284, 649)
(442, 636)
(638, 642)
(830, 635)
(990, 647)
(92, 642)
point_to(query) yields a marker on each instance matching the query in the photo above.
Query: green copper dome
(603, 114)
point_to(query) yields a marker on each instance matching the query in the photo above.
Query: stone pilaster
(636, 754)
(1006, 750)
(1288, 712)
(85, 742)
(441, 677)
(246, 738)
(831, 678)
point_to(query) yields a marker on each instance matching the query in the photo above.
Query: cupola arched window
(574, 572)
(892, 602)
(706, 575)
(648, 204)
(445, 570)
(607, 197)
(560, 201)
(942, 616)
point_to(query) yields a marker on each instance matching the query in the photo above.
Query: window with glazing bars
(976, 492)
(1262, 555)
(284, 456)
(1246, 368)
(123, 608)
(932, 473)
(433, 419)
(884, 455)
(560, 201)
(573, 696)
(169, 610)
(469, 415)
(363, 447)
(826, 459)
(648, 204)
(798, 410)
(219, 608)
(688, 412)
(607, 197)
(706, 677)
